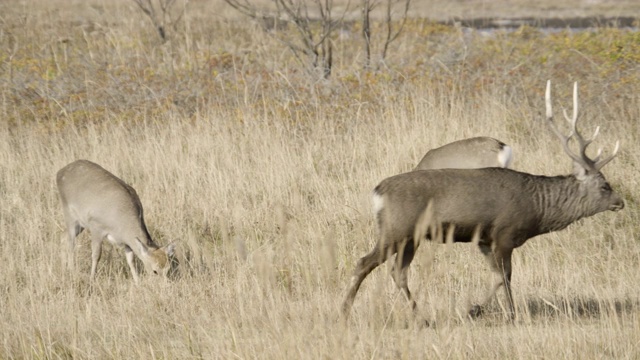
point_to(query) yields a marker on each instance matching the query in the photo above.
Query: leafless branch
(366, 30)
(391, 35)
(162, 14)
(244, 8)
(314, 41)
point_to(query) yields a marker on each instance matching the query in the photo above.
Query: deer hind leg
(400, 269)
(73, 230)
(505, 271)
(500, 260)
(96, 253)
(365, 265)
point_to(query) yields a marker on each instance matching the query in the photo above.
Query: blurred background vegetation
(87, 62)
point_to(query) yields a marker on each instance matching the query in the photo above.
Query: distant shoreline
(572, 22)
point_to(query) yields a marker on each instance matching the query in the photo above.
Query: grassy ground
(263, 172)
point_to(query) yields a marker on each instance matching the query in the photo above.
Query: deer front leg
(128, 253)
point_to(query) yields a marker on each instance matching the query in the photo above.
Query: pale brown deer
(471, 153)
(95, 199)
(500, 208)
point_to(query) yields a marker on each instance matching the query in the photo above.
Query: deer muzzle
(617, 205)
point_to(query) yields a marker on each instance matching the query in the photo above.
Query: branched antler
(582, 159)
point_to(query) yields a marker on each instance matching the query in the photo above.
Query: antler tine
(600, 163)
(574, 116)
(547, 100)
(583, 143)
(595, 133)
(565, 139)
(597, 158)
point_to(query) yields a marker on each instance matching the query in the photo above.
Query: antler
(582, 159)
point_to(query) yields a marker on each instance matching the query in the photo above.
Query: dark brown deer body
(503, 207)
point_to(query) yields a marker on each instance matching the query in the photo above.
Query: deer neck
(145, 237)
(560, 201)
(148, 242)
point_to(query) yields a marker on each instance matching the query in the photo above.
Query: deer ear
(170, 248)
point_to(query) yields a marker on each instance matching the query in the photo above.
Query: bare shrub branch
(367, 7)
(162, 14)
(391, 34)
(313, 33)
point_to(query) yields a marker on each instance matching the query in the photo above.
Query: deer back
(101, 202)
(471, 153)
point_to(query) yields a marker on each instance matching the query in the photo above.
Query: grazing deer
(499, 208)
(472, 153)
(95, 199)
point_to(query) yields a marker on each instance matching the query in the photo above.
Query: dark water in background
(548, 24)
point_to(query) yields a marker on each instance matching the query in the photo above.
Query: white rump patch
(505, 156)
(378, 203)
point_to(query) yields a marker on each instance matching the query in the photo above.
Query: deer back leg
(400, 268)
(499, 258)
(365, 265)
(73, 230)
(96, 252)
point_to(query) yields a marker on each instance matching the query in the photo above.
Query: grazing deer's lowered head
(500, 208)
(471, 153)
(95, 199)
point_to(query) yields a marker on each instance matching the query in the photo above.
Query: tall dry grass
(270, 201)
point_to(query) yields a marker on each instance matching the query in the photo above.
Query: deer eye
(155, 272)
(605, 187)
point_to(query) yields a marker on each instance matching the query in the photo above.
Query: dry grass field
(263, 172)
